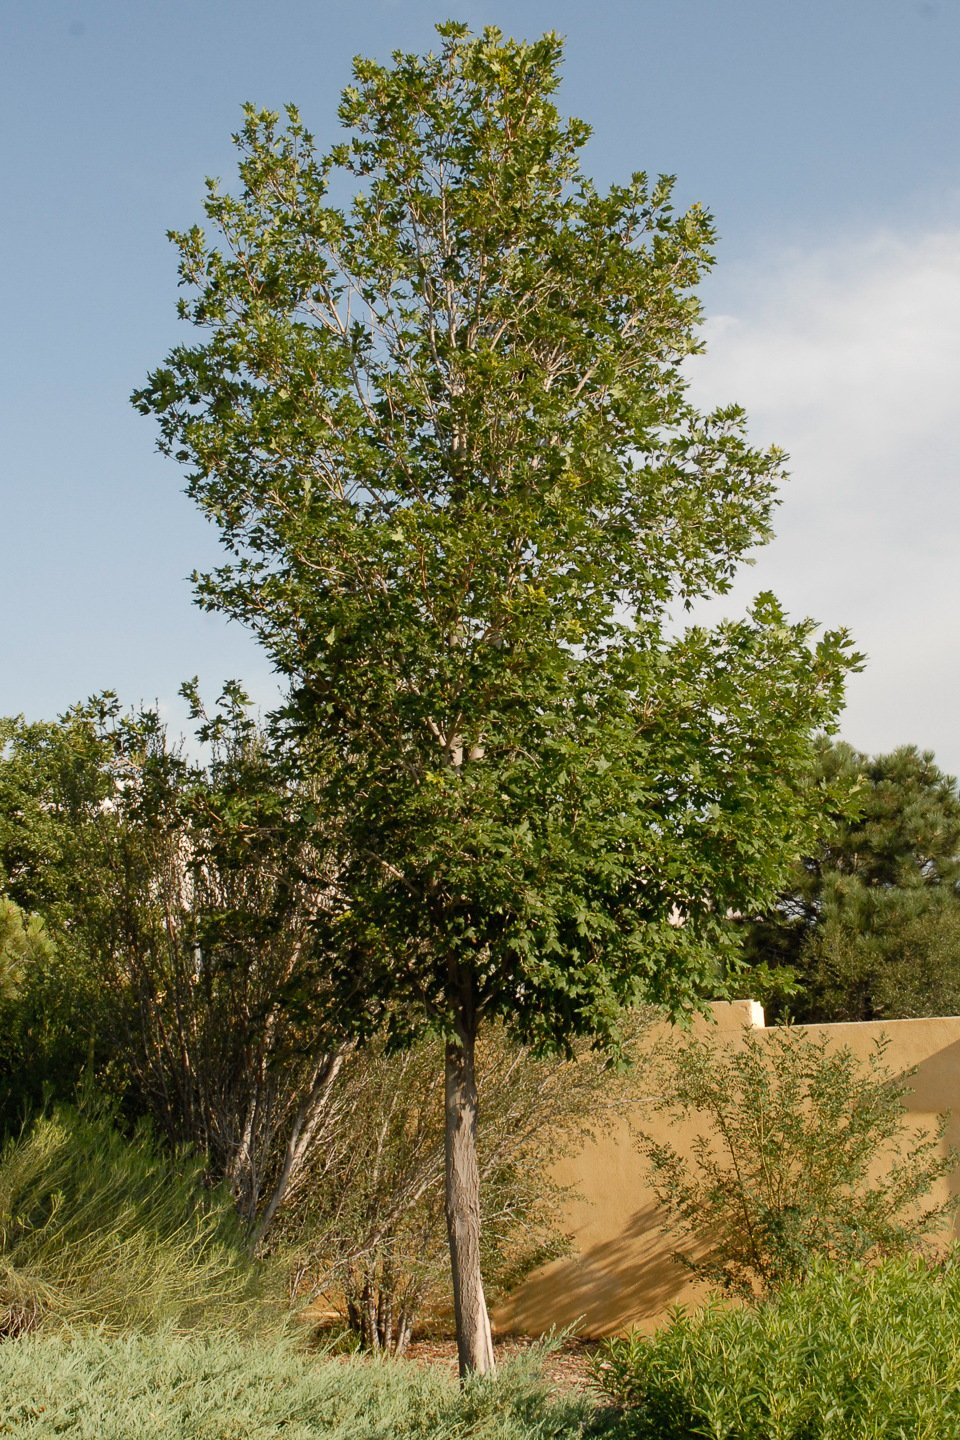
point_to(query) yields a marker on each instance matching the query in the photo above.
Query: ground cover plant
(805, 1151)
(855, 1353)
(192, 1388)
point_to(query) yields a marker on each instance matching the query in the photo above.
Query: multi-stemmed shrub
(805, 1151)
(367, 1230)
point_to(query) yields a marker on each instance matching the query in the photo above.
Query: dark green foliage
(882, 954)
(100, 1230)
(168, 1388)
(805, 1153)
(869, 927)
(60, 860)
(181, 972)
(445, 437)
(859, 1353)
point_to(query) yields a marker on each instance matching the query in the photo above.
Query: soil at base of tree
(568, 1367)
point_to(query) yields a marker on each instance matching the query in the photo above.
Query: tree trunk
(474, 1342)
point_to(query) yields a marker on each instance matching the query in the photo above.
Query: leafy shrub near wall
(862, 1353)
(101, 1230)
(806, 1151)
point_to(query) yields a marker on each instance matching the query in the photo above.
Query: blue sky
(821, 133)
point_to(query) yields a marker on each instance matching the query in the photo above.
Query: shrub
(196, 1388)
(181, 899)
(368, 1227)
(96, 1229)
(807, 1153)
(861, 1353)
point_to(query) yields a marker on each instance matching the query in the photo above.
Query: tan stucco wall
(621, 1273)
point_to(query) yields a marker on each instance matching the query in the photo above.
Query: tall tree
(868, 926)
(445, 436)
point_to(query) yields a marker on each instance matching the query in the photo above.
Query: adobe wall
(621, 1273)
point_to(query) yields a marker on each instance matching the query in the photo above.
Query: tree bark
(474, 1341)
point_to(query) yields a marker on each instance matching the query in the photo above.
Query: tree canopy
(868, 926)
(445, 435)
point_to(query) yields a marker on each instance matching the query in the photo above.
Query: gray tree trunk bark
(474, 1341)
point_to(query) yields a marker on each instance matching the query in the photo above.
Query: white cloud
(849, 358)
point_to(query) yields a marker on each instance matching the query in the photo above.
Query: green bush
(196, 1388)
(100, 1230)
(862, 1353)
(806, 1152)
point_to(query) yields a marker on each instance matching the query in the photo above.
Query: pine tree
(869, 926)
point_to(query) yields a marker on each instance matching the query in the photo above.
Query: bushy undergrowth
(862, 1353)
(213, 1388)
(367, 1228)
(100, 1230)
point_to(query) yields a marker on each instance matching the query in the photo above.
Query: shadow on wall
(931, 1045)
(935, 1089)
(623, 1272)
(936, 1085)
(626, 1280)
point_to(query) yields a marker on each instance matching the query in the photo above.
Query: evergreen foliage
(869, 926)
(23, 943)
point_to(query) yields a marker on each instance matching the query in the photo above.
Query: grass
(101, 1230)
